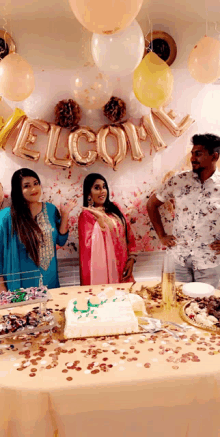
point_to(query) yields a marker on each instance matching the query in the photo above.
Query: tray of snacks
(203, 313)
(24, 296)
(12, 325)
(155, 293)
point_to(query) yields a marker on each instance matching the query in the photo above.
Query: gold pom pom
(67, 113)
(115, 109)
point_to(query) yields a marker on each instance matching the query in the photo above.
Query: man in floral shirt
(195, 242)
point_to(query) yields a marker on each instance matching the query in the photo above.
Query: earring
(90, 201)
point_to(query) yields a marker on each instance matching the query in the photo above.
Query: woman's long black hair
(110, 207)
(23, 222)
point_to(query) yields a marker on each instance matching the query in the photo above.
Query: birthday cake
(98, 316)
(23, 294)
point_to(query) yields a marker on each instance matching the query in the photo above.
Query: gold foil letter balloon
(16, 78)
(73, 144)
(204, 60)
(120, 136)
(10, 124)
(133, 137)
(91, 88)
(106, 17)
(156, 140)
(50, 157)
(168, 120)
(152, 81)
(26, 136)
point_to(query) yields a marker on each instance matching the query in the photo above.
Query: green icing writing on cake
(89, 306)
(75, 310)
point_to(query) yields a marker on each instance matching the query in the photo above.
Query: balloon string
(150, 43)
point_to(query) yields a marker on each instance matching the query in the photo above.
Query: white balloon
(121, 53)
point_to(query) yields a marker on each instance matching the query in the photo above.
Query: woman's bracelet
(133, 256)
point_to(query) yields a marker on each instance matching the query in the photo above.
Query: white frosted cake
(99, 316)
(137, 303)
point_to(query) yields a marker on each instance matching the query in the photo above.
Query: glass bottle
(168, 281)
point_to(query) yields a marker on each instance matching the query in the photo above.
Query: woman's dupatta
(103, 260)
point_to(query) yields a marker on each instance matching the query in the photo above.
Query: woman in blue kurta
(29, 233)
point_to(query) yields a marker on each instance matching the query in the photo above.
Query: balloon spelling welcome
(126, 135)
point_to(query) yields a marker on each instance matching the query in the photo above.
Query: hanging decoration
(126, 134)
(121, 53)
(67, 113)
(16, 78)
(204, 60)
(152, 81)
(115, 109)
(103, 17)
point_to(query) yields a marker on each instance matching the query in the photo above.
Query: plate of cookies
(203, 313)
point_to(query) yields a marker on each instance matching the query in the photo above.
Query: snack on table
(204, 311)
(23, 294)
(155, 293)
(111, 316)
(13, 322)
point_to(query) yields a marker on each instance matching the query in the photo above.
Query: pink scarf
(103, 261)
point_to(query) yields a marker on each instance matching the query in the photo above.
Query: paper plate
(198, 289)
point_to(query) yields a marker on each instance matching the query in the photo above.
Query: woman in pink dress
(107, 246)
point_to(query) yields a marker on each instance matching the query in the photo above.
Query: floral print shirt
(197, 217)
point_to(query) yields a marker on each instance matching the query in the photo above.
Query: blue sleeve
(5, 219)
(61, 238)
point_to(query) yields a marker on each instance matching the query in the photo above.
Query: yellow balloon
(10, 124)
(16, 78)
(105, 17)
(204, 60)
(152, 81)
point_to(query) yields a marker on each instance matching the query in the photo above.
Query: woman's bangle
(133, 257)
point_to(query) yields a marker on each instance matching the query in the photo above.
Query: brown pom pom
(115, 109)
(67, 113)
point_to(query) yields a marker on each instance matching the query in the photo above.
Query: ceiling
(160, 10)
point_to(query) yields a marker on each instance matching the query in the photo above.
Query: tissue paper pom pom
(67, 113)
(115, 109)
